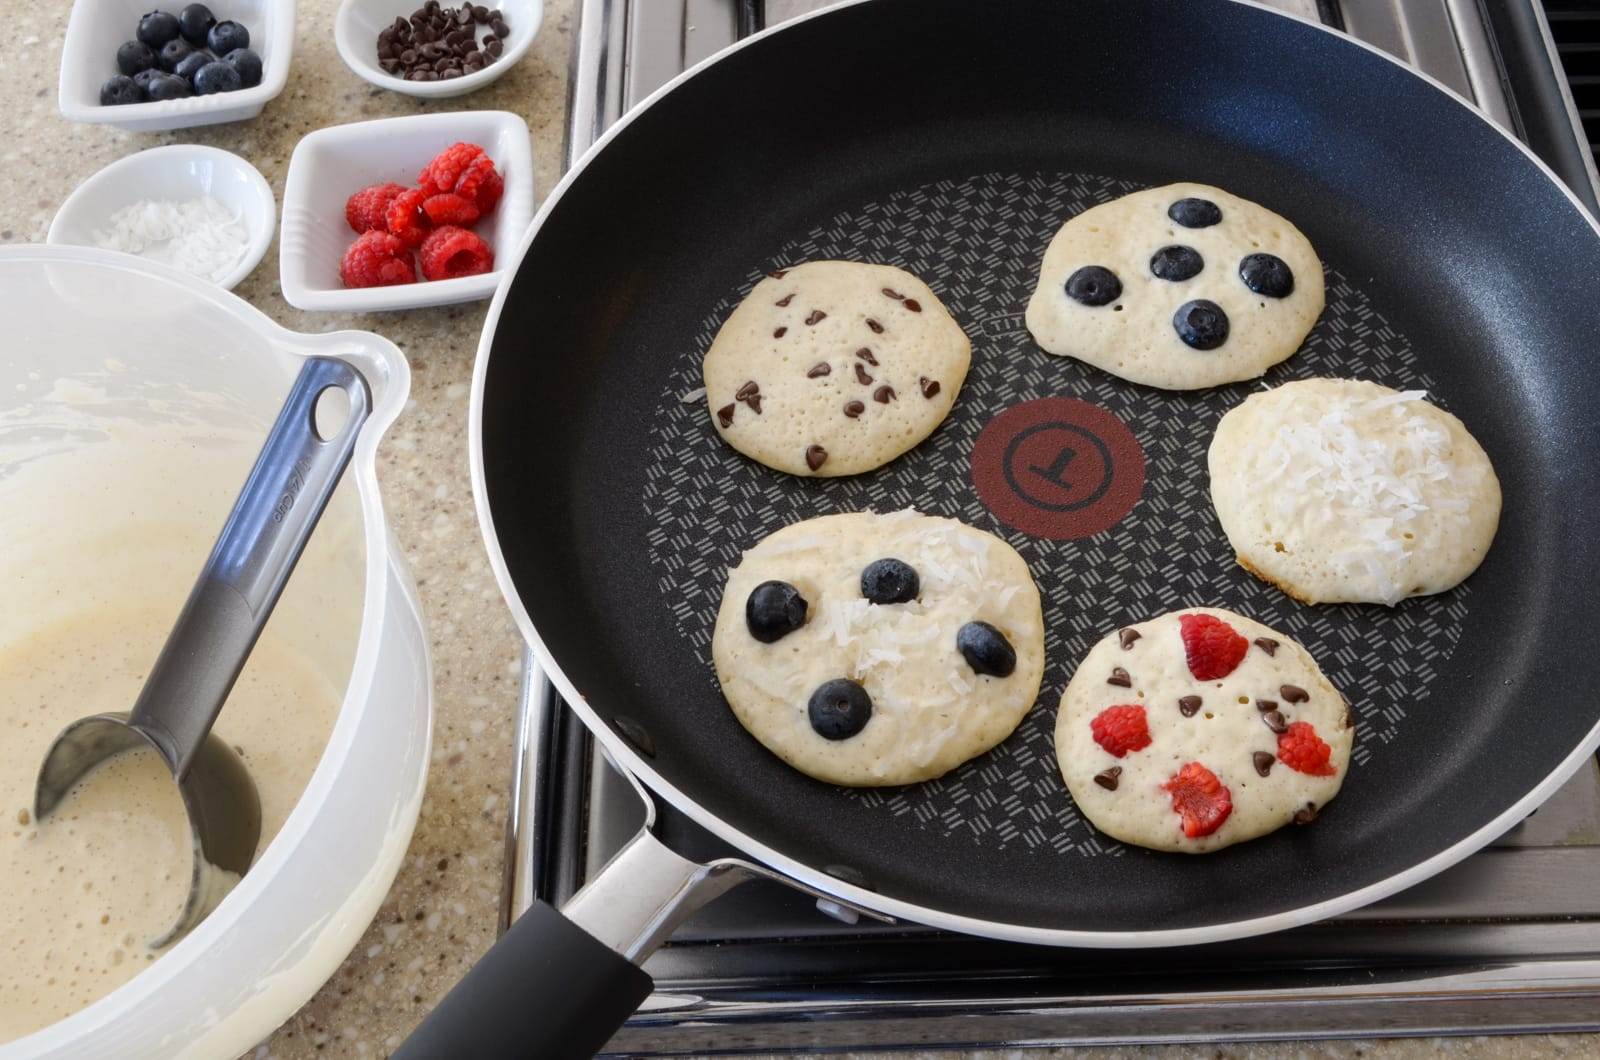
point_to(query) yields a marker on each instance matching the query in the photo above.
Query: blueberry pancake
(1344, 491)
(1200, 729)
(834, 368)
(872, 650)
(1181, 287)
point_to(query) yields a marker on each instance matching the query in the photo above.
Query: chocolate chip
(725, 415)
(930, 387)
(1263, 762)
(1268, 645)
(817, 316)
(854, 408)
(896, 295)
(1275, 721)
(493, 47)
(482, 14)
(1293, 693)
(780, 333)
(1349, 715)
(450, 72)
(861, 375)
(1108, 779)
(866, 355)
(748, 390)
(1188, 706)
(883, 395)
(1264, 705)
(1120, 678)
(778, 274)
(785, 300)
(816, 371)
(913, 305)
(499, 29)
(816, 456)
(877, 328)
(754, 401)
(1128, 636)
(1306, 815)
(464, 16)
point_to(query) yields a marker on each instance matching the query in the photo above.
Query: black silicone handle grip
(547, 990)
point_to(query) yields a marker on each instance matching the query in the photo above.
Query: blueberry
(158, 27)
(135, 56)
(773, 611)
(1267, 274)
(168, 86)
(986, 649)
(889, 581)
(1176, 263)
(120, 90)
(1195, 213)
(144, 77)
(194, 22)
(174, 52)
(190, 64)
(227, 36)
(248, 63)
(1093, 285)
(216, 76)
(1201, 324)
(839, 709)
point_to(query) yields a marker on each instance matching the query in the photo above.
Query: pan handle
(560, 984)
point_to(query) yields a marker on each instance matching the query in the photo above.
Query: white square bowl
(330, 165)
(97, 28)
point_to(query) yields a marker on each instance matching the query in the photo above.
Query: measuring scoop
(266, 532)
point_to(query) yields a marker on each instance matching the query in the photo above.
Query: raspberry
(481, 183)
(377, 259)
(465, 170)
(405, 218)
(1121, 729)
(448, 208)
(365, 211)
(450, 252)
(1211, 646)
(1200, 799)
(1302, 750)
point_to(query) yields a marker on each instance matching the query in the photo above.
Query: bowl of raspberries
(125, 63)
(404, 212)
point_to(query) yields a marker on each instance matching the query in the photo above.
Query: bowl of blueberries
(143, 69)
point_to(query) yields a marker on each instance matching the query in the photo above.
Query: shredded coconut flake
(200, 236)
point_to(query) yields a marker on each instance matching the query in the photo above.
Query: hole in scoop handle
(272, 519)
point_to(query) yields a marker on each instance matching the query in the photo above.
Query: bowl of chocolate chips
(438, 49)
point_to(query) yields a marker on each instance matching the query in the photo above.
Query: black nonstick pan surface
(952, 139)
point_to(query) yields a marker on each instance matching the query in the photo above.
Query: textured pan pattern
(977, 242)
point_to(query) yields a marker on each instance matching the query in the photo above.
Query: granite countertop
(441, 913)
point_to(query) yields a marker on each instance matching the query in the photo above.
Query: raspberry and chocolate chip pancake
(1200, 729)
(1180, 287)
(834, 368)
(1344, 491)
(872, 650)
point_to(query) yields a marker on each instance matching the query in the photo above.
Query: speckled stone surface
(441, 912)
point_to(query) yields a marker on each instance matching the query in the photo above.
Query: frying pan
(952, 139)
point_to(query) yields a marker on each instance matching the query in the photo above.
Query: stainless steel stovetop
(1509, 940)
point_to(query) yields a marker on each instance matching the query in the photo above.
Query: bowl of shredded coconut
(199, 209)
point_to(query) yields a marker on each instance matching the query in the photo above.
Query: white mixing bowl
(91, 337)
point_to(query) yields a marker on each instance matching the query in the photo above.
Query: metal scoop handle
(266, 532)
